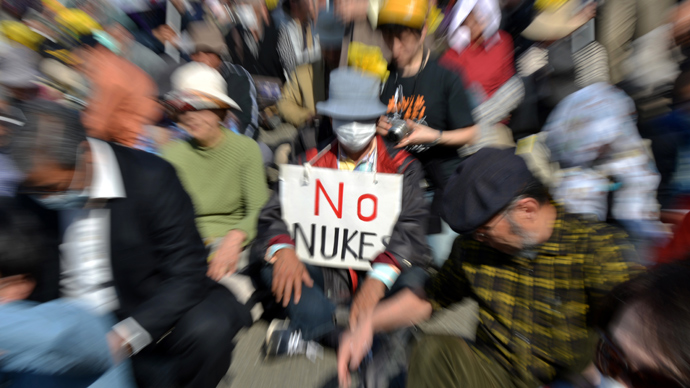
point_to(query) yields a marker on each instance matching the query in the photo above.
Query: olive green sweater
(227, 183)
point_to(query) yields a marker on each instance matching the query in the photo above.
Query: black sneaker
(281, 341)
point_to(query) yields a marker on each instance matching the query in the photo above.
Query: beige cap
(554, 24)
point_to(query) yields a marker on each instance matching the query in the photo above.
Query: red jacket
(407, 246)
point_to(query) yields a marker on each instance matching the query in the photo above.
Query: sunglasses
(612, 363)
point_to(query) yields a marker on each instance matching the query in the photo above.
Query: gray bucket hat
(352, 95)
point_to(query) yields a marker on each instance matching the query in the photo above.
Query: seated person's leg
(446, 361)
(313, 315)
(198, 349)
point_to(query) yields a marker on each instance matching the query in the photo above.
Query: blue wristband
(385, 273)
(275, 248)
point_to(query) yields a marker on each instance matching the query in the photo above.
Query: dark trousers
(196, 353)
(313, 315)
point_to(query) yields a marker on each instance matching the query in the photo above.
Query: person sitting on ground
(536, 271)
(434, 102)
(210, 49)
(306, 291)
(222, 171)
(298, 43)
(58, 343)
(308, 83)
(593, 136)
(123, 97)
(482, 55)
(643, 325)
(253, 43)
(122, 240)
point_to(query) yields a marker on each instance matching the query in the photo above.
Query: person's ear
(17, 287)
(527, 209)
(424, 31)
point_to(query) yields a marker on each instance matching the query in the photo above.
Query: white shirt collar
(106, 181)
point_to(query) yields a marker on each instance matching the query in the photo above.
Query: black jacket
(268, 63)
(158, 258)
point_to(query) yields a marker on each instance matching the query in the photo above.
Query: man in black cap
(537, 273)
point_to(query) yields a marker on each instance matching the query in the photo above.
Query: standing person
(222, 171)
(298, 43)
(537, 272)
(122, 240)
(123, 95)
(433, 101)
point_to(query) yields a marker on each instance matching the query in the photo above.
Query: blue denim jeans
(314, 314)
(441, 243)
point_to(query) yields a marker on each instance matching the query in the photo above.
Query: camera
(398, 130)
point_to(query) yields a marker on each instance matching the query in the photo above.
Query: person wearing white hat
(221, 170)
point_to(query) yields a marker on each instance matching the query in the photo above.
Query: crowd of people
(536, 154)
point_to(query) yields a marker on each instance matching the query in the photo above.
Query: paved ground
(250, 370)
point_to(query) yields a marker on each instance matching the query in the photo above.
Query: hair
(21, 241)
(661, 297)
(52, 133)
(533, 189)
(397, 29)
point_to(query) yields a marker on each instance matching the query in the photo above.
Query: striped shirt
(534, 312)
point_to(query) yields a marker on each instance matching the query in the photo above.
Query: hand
(382, 126)
(224, 262)
(421, 134)
(165, 34)
(179, 6)
(354, 345)
(351, 10)
(587, 13)
(366, 299)
(118, 349)
(288, 275)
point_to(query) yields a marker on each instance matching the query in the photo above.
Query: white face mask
(352, 135)
(247, 16)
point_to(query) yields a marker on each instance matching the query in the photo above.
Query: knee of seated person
(210, 330)
(432, 348)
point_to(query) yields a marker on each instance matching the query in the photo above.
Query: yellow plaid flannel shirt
(534, 312)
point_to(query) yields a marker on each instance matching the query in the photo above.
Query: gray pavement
(249, 369)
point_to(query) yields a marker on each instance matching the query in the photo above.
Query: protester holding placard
(309, 293)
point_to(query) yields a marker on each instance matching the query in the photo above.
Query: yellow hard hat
(77, 21)
(409, 13)
(21, 33)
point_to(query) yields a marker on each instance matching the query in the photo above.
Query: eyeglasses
(611, 362)
(484, 231)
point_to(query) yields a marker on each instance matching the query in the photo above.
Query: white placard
(339, 219)
(174, 20)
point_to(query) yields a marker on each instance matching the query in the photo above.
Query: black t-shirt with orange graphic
(435, 97)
